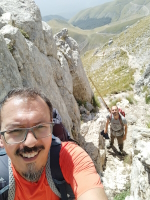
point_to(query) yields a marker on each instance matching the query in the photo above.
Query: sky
(66, 8)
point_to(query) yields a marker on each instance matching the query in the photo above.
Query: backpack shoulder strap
(63, 187)
(4, 175)
(120, 119)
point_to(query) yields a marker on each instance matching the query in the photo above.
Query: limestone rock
(89, 106)
(92, 141)
(68, 47)
(27, 17)
(141, 164)
(144, 80)
(5, 19)
(1, 11)
(9, 74)
(49, 41)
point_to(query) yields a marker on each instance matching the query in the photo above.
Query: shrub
(24, 34)
(11, 46)
(114, 102)
(131, 99)
(147, 98)
(123, 194)
(95, 102)
(80, 103)
(128, 159)
(148, 124)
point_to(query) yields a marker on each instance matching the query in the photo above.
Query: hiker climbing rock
(35, 159)
(118, 127)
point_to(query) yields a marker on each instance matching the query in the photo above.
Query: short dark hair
(30, 93)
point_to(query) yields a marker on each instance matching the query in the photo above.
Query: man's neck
(116, 117)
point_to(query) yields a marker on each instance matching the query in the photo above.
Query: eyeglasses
(19, 135)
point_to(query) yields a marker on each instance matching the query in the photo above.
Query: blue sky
(66, 8)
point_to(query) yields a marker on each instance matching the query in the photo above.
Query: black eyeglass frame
(27, 130)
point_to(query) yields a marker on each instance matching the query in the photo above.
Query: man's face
(114, 111)
(30, 156)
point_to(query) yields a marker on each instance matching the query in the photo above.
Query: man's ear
(1, 143)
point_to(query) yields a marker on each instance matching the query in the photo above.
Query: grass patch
(128, 159)
(113, 81)
(147, 98)
(11, 46)
(81, 103)
(145, 88)
(123, 194)
(111, 76)
(148, 124)
(24, 34)
(131, 99)
(114, 102)
(95, 102)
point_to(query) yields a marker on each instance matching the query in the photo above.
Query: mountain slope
(51, 17)
(111, 12)
(118, 66)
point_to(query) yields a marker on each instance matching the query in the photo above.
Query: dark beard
(32, 174)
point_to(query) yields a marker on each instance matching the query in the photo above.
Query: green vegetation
(81, 103)
(145, 88)
(11, 46)
(114, 102)
(24, 34)
(148, 124)
(131, 99)
(147, 98)
(118, 28)
(128, 159)
(92, 23)
(118, 11)
(123, 194)
(118, 80)
(95, 102)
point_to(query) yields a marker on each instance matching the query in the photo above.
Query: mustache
(29, 150)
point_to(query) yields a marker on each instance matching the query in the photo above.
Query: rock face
(144, 80)
(68, 50)
(140, 174)
(92, 141)
(29, 57)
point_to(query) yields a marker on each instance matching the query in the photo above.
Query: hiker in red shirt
(26, 135)
(118, 128)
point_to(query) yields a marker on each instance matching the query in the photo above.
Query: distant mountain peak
(51, 17)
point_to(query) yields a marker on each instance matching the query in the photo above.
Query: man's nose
(30, 139)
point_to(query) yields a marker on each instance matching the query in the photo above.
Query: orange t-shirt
(77, 168)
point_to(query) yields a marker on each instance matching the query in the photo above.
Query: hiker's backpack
(62, 186)
(58, 129)
(121, 112)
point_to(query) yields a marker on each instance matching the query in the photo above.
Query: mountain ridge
(111, 12)
(51, 17)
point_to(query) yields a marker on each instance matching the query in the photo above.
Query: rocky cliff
(30, 56)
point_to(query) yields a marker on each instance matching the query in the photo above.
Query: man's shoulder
(69, 145)
(109, 116)
(71, 150)
(123, 119)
